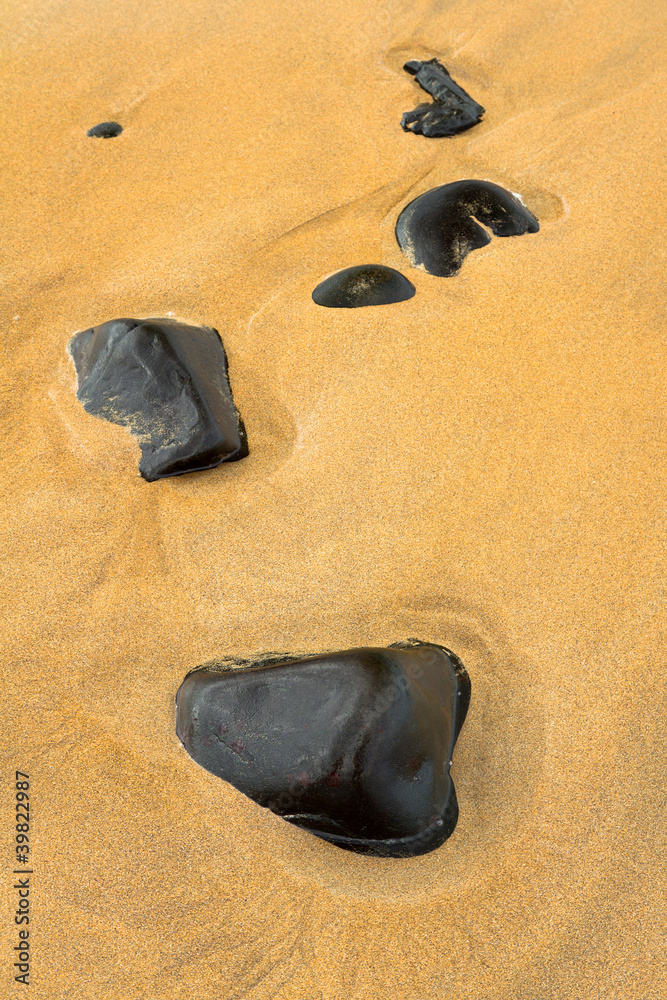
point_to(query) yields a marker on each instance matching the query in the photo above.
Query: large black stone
(438, 230)
(353, 746)
(166, 382)
(363, 285)
(453, 109)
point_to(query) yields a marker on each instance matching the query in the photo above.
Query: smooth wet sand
(482, 465)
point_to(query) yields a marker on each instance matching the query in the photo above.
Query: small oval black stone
(438, 230)
(105, 130)
(363, 285)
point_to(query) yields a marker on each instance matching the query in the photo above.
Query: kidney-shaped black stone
(167, 382)
(354, 746)
(363, 285)
(438, 229)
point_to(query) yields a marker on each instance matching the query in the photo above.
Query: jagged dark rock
(438, 230)
(354, 746)
(363, 285)
(105, 130)
(166, 382)
(453, 109)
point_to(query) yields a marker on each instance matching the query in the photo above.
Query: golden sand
(482, 466)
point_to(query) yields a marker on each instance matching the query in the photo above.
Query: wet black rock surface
(167, 383)
(438, 229)
(354, 746)
(105, 130)
(453, 109)
(363, 285)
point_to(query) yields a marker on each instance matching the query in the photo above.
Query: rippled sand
(482, 465)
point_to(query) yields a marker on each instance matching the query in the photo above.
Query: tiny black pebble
(363, 285)
(105, 130)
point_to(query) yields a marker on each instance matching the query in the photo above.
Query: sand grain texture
(481, 466)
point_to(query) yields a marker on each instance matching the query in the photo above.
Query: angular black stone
(353, 746)
(363, 285)
(438, 230)
(166, 382)
(105, 130)
(453, 111)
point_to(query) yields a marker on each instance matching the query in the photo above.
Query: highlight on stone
(438, 229)
(452, 111)
(166, 382)
(363, 285)
(353, 746)
(105, 130)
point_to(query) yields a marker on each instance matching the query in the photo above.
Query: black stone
(438, 230)
(354, 746)
(453, 111)
(105, 130)
(364, 285)
(166, 382)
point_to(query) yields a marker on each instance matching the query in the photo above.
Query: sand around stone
(481, 465)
